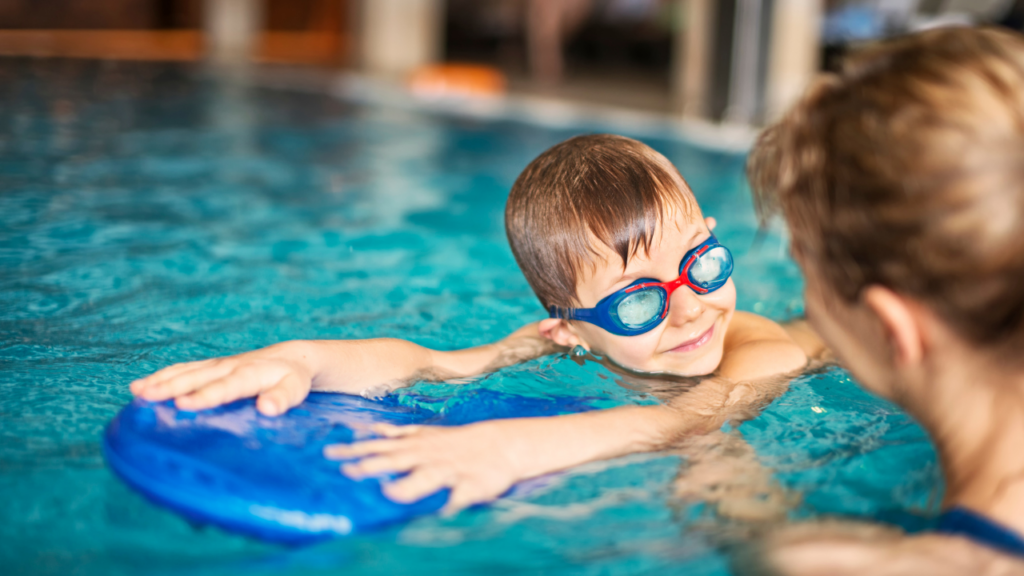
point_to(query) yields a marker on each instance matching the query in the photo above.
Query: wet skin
(691, 339)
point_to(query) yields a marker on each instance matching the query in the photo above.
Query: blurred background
(734, 61)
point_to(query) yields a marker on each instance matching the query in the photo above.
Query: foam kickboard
(267, 477)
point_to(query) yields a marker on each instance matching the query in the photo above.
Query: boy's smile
(690, 341)
(696, 342)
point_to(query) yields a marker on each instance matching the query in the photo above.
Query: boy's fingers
(163, 374)
(237, 384)
(380, 464)
(186, 381)
(357, 449)
(416, 486)
(460, 499)
(277, 399)
(169, 371)
(393, 431)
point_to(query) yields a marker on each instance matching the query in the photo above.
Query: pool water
(151, 214)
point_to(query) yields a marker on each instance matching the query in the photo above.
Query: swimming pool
(151, 215)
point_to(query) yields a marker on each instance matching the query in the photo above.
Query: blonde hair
(907, 170)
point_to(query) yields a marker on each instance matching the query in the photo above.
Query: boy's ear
(558, 331)
(900, 321)
(711, 223)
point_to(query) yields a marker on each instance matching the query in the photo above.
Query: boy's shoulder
(747, 326)
(757, 347)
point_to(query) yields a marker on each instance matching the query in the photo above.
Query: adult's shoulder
(835, 548)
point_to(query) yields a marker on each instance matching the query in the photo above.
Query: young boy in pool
(613, 243)
(902, 182)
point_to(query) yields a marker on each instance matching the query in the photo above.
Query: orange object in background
(457, 80)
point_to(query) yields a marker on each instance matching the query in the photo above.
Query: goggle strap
(562, 313)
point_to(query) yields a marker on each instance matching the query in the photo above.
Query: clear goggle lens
(640, 307)
(712, 268)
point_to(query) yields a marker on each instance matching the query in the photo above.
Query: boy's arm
(354, 366)
(479, 462)
(283, 374)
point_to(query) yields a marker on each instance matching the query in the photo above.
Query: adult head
(902, 181)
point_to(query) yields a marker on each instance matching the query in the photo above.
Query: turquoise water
(150, 215)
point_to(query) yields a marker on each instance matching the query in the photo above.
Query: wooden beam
(186, 45)
(321, 48)
(324, 48)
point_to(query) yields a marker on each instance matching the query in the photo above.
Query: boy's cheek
(640, 352)
(724, 298)
(634, 352)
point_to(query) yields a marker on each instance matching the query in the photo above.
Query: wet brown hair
(601, 187)
(906, 170)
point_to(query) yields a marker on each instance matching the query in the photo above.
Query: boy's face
(689, 342)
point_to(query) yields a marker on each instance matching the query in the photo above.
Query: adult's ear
(900, 320)
(560, 332)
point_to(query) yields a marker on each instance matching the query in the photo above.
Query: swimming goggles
(641, 306)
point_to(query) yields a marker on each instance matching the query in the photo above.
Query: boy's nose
(684, 307)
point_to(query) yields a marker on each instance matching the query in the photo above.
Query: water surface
(151, 214)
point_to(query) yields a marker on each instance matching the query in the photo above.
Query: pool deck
(521, 104)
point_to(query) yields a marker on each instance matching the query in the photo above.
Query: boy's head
(905, 172)
(594, 214)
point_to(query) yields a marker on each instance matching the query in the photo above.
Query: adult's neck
(975, 415)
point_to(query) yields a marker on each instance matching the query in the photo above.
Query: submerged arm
(481, 461)
(579, 438)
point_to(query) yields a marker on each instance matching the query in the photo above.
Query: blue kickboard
(267, 477)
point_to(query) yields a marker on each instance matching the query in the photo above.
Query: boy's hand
(277, 375)
(474, 461)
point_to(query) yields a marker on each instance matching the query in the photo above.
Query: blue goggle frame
(704, 269)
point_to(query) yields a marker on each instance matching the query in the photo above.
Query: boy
(611, 239)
